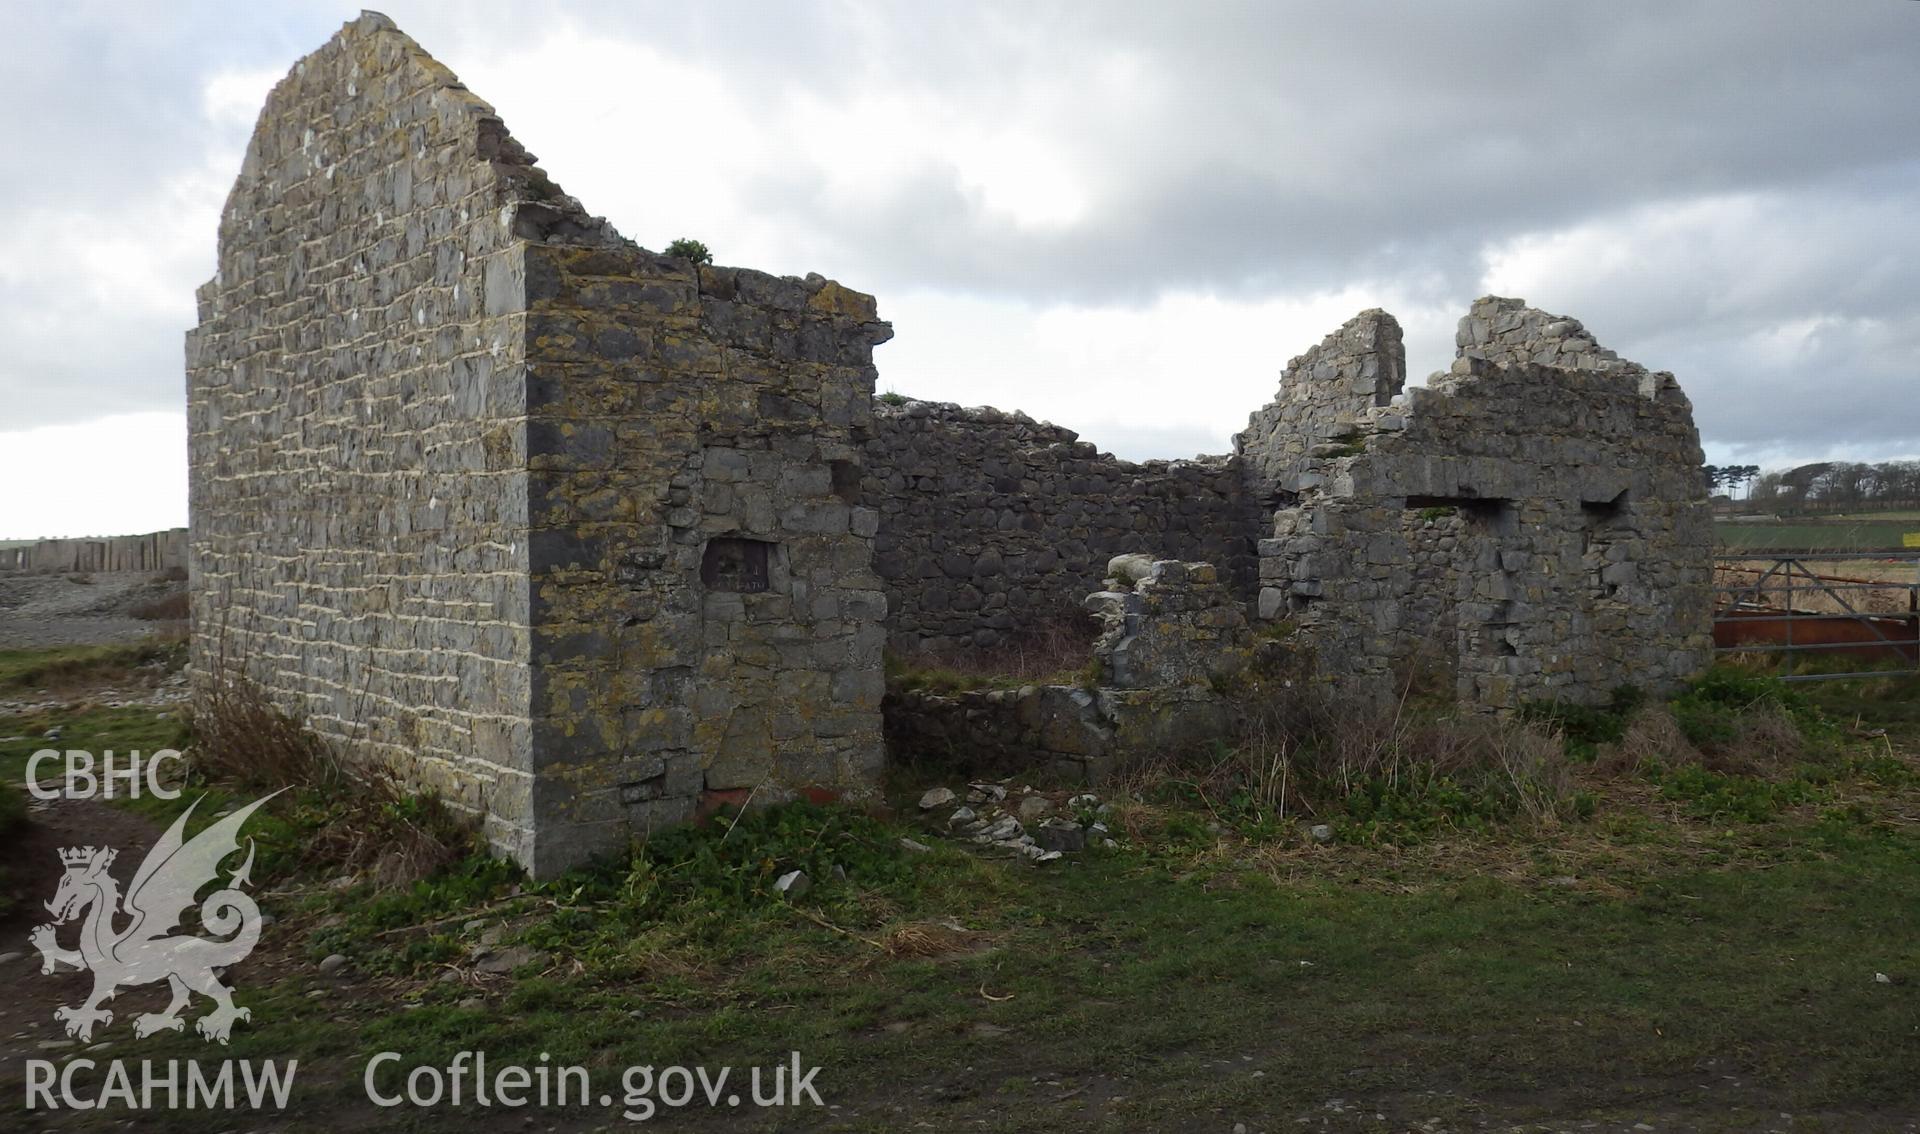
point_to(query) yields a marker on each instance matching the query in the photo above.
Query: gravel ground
(77, 610)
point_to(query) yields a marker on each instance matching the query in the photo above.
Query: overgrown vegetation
(167, 608)
(687, 248)
(1736, 745)
(686, 903)
(1395, 775)
(65, 665)
(1540, 943)
(359, 818)
(1586, 727)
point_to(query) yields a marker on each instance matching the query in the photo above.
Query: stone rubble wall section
(1175, 626)
(1068, 732)
(992, 523)
(1325, 396)
(1534, 531)
(1167, 644)
(155, 551)
(1507, 332)
(1056, 730)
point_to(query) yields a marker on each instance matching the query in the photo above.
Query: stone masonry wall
(1509, 333)
(1537, 530)
(991, 522)
(676, 412)
(556, 527)
(357, 451)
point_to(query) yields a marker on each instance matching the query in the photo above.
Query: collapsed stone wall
(549, 524)
(991, 522)
(1324, 393)
(154, 551)
(1536, 529)
(1171, 634)
(1507, 332)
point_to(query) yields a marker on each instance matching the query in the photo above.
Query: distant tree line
(1728, 477)
(1825, 486)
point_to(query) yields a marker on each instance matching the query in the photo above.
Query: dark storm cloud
(1302, 145)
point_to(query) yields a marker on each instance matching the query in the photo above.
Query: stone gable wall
(991, 522)
(357, 473)
(1538, 531)
(458, 451)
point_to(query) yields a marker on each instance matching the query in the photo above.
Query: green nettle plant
(689, 249)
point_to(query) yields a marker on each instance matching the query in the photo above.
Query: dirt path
(28, 1029)
(77, 610)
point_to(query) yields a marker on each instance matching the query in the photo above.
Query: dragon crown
(79, 856)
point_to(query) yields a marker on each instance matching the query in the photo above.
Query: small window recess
(739, 565)
(1600, 513)
(1489, 513)
(845, 480)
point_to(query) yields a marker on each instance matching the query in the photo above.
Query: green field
(1816, 535)
(1910, 515)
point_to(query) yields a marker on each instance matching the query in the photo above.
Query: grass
(332, 820)
(1435, 985)
(1717, 915)
(1835, 535)
(91, 729)
(96, 730)
(66, 665)
(1585, 727)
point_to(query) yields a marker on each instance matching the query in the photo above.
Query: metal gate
(1858, 615)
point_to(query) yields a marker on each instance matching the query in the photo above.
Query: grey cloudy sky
(1122, 217)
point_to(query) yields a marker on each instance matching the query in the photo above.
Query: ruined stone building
(584, 538)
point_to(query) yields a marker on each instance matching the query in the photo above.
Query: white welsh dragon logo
(143, 952)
